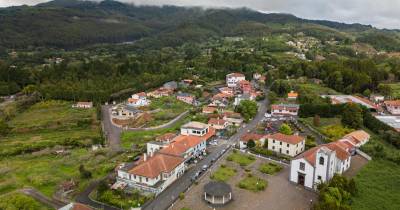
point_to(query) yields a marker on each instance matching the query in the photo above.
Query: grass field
(28, 154)
(223, 173)
(241, 159)
(169, 108)
(378, 186)
(253, 183)
(270, 168)
(330, 127)
(139, 139)
(20, 201)
(315, 89)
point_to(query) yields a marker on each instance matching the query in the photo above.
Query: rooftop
(390, 120)
(290, 139)
(156, 165)
(235, 75)
(217, 188)
(195, 125)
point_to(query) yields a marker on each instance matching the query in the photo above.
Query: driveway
(112, 132)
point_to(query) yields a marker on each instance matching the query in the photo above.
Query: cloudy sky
(379, 13)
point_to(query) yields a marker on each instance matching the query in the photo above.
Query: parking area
(276, 196)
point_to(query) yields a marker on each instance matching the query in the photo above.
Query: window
(280, 143)
(287, 145)
(273, 141)
(321, 161)
(302, 166)
(147, 179)
(319, 177)
(287, 151)
(273, 147)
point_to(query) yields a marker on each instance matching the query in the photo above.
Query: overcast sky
(379, 13)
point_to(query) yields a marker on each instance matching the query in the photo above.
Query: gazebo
(217, 193)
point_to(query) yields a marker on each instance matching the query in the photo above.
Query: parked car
(204, 167)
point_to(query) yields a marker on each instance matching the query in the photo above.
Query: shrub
(181, 196)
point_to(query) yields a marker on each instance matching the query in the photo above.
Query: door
(300, 178)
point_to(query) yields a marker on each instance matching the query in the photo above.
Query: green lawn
(223, 173)
(121, 199)
(253, 183)
(378, 186)
(270, 168)
(241, 159)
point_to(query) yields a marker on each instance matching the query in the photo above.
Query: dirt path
(42, 198)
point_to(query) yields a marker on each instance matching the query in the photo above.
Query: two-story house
(290, 145)
(138, 100)
(233, 79)
(393, 107)
(285, 109)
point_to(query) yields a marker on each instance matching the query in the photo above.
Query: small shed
(217, 193)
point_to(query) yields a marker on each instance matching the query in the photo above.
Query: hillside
(73, 23)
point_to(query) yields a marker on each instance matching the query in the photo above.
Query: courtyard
(278, 193)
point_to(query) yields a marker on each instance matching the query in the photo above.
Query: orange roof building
(289, 145)
(292, 95)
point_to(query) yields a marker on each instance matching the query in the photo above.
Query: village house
(290, 145)
(83, 105)
(187, 98)
(377, 98)
(320, 164)
(171, 85)
(160, 92)
(390, 120)
(292, 95)
(209, 110)
(393, 107)
(153, 174)
(227, 90)
(194, 128)
(138, 100)
(218, 103)
(259, 139)
(245, 86)
(244, 96)
(124, 112)
(233, 118)
(356, 139)
(233, 79)
(160, 143)
(285, 109)
(342, 99)
(217, 123)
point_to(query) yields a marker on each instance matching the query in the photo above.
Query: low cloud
(381, 14)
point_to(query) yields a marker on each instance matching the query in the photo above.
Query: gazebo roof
(217, 188)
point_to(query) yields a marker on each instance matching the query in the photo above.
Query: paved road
(113, 133)
(84, 198)
(42, 198)
(168, 196)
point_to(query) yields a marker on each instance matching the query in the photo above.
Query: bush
(181, 196)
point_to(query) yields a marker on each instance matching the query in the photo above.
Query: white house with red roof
(186, 97)
(320, 164)
(285, 109)
(233, 79)
(138, 100)
(393, 107)
(356, 138)
(165, 159)
(290, 145)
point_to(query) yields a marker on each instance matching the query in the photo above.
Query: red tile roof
(251, 136)
(207, 109)
(291, 139)
(392, 103)
(156, 165)
(166, 137)
(358, 136)
(216, 121)
(340, 148)
(79, 206)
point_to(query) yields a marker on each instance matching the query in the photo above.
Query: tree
(317, 121)
(285, 129)
(4, 128)
(85, 174)
(248, 109)
(251, 143)
(352, 116)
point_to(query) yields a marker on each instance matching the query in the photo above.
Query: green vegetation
(121, 199)
(224, 173)
(330, 127)
(137, 140)
(270, 168)
(352, 116)
(285, 129)
(253, 183)
(377, 185)
(241, 159)
(21, 202)
(336, 194)
(248, 109)
(395, 90)
(168, 108)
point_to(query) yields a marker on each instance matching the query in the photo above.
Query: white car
(267, 115)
